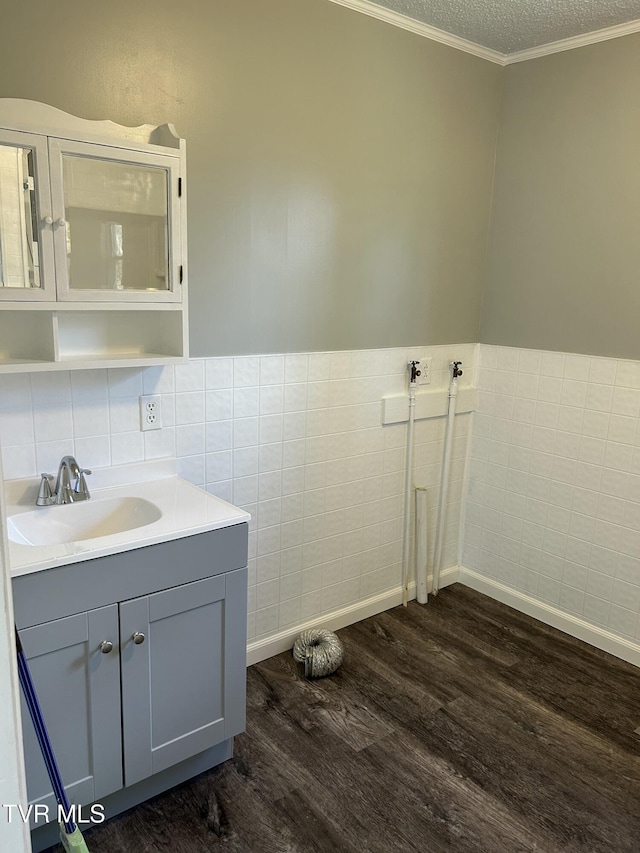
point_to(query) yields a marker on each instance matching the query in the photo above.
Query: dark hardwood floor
(463, 726)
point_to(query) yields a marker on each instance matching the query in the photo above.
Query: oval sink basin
(57, 525)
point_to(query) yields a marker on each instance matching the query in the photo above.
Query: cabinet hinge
(179, 187)
(181, 273)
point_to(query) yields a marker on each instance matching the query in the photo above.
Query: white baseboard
(575, 626)
(262, 649)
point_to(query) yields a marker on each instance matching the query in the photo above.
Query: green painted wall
(340, 169)
(564, 263)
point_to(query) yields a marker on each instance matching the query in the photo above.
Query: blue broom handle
(42, 735)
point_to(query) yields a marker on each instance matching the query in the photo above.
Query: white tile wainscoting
(296, 440)
(553, 509)
(552, 518)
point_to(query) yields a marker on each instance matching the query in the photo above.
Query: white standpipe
(408, 477)
(444, 476)
(422, 546)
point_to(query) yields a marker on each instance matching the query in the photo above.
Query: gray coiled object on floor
(319, 650)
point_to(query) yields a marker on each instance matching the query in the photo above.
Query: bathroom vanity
(136, 639)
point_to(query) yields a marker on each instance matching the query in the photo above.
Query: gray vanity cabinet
(181, 693)
(79, 690)
(147, 688)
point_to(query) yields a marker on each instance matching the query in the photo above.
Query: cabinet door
(119, 238)
(78, 687)
(183, 686)
(26, 223)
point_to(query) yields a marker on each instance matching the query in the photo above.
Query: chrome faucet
(64, 492)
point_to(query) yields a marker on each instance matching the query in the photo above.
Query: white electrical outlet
(425, 371)
(150, 412)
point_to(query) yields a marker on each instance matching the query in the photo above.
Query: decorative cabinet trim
(36, 117)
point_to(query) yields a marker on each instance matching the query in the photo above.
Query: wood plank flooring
(463, 726)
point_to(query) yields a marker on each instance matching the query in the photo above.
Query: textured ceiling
(509, 26)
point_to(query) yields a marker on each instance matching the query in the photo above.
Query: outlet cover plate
(150, 412)
(425, 370)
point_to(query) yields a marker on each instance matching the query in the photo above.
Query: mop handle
(42, 735)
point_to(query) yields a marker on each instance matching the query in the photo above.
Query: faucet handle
(81, 490)
(45, 494)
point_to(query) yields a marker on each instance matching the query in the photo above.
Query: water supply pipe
(412, 367)
(422, 547)
(444, 476)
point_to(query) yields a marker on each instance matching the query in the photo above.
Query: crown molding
(365, 7)
(573, 42)
(417, 27)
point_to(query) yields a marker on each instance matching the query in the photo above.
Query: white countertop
(185, 510)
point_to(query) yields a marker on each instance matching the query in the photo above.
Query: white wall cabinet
(92, 241)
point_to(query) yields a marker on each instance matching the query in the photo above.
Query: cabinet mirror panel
(117, 225)
(19, 232)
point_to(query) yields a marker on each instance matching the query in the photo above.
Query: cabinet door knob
(60, 222)
(106, 646)
(138, 638)
(48, 220)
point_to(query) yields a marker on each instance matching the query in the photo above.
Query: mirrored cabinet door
(116, 223)
(26, 223)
